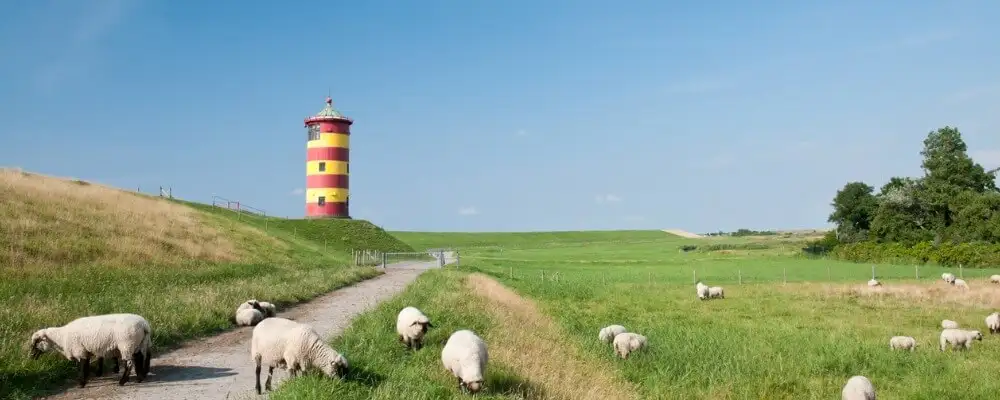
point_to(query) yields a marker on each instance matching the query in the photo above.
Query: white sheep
(249, 317)
(626, 343)
(268, 309)
(716, 292)
(286, 344)
(949, 324)
(994, 278)
(702, 290)
(960, 283)
(874, 283)
(902, 343)
(608, 333)
(125, 336)
(858, 388)
(993, 322)
(960, 339)
(411, 326)
(948, 277)
(465, 356)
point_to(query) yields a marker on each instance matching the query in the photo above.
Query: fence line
(238, 207)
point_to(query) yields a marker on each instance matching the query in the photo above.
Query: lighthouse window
(322, 167)
(313, 132)
(322, 200)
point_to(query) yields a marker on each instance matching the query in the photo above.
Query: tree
(853, 209)
(900, 217)
(977, 217)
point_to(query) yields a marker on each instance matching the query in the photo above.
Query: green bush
(973, 255)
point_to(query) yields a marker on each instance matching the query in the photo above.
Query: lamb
(608, 333)
(716, 292)
(994, 278)
(286, 344)
(268, 309)
(874, 283)
(702, 290)
(626, 343)
(948, 277)
(993, 322)
(411, 326)
(949, 324)
(465, 356)
(249, 317)
(960, 339)
(960, 283)
(902, 343)
(108, 335)
(858, 388)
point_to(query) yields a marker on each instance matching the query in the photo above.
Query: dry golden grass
(52, 222)
(979, 295)
(559, 369)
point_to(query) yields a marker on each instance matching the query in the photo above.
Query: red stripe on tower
(328, 132)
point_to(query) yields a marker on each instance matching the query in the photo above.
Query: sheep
(874, 283)
(960, 283)
(465, 356)
(902, 343)
(108, 335)
(716, 292)
(949, 324)
(286, 344)
(249, 317)
(411, 326)
(702, 290)
(268, 309)
(948, 277)
(858, 388)
(994, 278)
(626, 343)
(608, 333)
(993, 322)
(254, 304)
(958, 338)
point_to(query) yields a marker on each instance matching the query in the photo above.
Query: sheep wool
(628, 342)
(269, 309)
(127, 336)
(993, 322)
(902, 343)
(994, 278)
(949, 324)
(608, 333)
(702, 290)
(948, 277)
(716, 292)
(960, 283)
(858, 388)
(465, 356)
(248, 317)
(283, 343)
(250, 304)
(874, 283)
(959, 339)
(411, 326)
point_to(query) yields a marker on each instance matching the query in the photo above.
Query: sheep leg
(418, 344)
(257, 375)
(267, 385)
(100, 367)
(140, 363)
(145, 364)
(84, 370)
(115, 369)
(125, 372)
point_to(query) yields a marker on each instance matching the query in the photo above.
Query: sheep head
(473, 386)
(39, 344)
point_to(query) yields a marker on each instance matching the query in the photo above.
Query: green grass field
(796, 328)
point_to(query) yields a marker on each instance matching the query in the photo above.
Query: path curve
(219, 367)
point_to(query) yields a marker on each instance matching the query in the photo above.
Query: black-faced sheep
(108, 335)
(465, 356)
(286, 344)
(411, 326)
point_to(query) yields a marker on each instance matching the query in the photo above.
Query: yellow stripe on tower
(330, 140)
(333, 195)
(330, 167)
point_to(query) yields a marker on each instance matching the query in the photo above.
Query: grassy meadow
(70, 248)
(796, 328)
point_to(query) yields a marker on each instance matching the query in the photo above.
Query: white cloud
(470, 210)
(988, 158)
(607, 198)
(297, 192)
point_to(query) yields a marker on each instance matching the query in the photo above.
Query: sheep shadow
(364, 376)
(514, 386)
(180, 373)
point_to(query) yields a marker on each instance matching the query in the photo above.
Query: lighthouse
(328, 163)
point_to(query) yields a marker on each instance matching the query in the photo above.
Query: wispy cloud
(521, 132)
(607, 198)
(988, 158)
(297, 192)
(467, 211)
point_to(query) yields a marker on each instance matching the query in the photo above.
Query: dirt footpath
(219, 367)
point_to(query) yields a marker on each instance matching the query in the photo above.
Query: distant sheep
(949, 324)
(874, 283)
(626, 343)
(411, 326)
(959, 339)
(993, 322)
(960, 283)
(283, 343)
(249, 317)
(994, 278)
(465, 356)
(948, 277)
(108, 335)
(608, 333)
(716, 292)
(858, 388)
(902, 343)
(702, 290)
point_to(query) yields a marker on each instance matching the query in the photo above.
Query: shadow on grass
(360, 374)
(507, 384)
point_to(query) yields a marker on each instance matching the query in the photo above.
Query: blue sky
(490, 116)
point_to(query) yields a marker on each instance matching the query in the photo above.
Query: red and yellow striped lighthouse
(328, 164)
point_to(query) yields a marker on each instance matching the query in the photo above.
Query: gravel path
(219, 367)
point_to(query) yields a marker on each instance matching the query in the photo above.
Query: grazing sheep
(702, 290)
(858, 388)
(411, 325)
(949, 324)
(874, 283)
(626, 343)
(286, 344)
(994, 278)
(118, 335)
(249, 317)
(268, 309)
(716, 292)
(960, 283)
(958, 338)
(993, 322)
(902, 343)
(608, 333)
(465, 356)
(948, 277)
